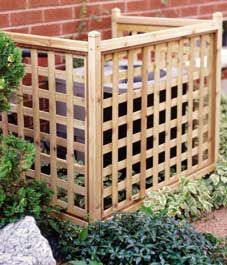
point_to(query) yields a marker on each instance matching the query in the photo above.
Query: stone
(21, 243)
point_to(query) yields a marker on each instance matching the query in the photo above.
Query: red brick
(26, 17)
(76, 13)
(40, 3)
(20, 30)
(171, 12)
(174, 3)
(222, 7)
(154, 4)
(206, 9)
(4, 20)
(46, 30)
(93, 1)
(12, 4)
(189, 11)
(93, 10)
(58, 14)
(103, 23)
(70, 27)
(197, 2)
(69, 2)
(105, 8)
(106, 34)
(81, 36)
(137, 5)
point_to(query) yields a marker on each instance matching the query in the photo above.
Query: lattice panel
(51, 112)
(157, 114)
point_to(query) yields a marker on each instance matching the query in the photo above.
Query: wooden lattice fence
(113, 119)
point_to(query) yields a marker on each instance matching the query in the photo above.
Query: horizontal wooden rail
(156, 37)
(158, 21)
(49, 43)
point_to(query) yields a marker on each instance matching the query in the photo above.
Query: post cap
(94, 34)
(218, 16)
(116, 11)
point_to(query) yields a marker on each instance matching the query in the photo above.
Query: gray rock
(21, 243)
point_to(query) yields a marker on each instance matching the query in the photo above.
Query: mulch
(214, 223)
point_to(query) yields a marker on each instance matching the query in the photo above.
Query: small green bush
(11, 70)
(16, 157)
(137, 238)
(18, 197)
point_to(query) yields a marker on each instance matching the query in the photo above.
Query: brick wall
(66, 17)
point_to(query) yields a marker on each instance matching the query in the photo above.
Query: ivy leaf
(83, 234)
(215, 179)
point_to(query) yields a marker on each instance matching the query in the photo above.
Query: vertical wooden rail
(5, 125)
(115, 130)
(168, 110)
(20, 114)
(70, 131)
(129, 125)
(156, 117)
(53, 133)
(116, 12)
(145, 72)
(218, 17)
(210, 61)
(94, 126)
(201, 96)
(86, 132)
(190, 102)
(179, 106)
(36, 120)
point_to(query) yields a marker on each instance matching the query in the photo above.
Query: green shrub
(19, 198)
(137, 238)
(11, 70)
(16, 157)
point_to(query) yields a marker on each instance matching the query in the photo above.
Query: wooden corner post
(116, 12)
(218, 18)
(94, 127)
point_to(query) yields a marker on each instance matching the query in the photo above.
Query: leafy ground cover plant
(217, 184)
(223, 129)
(191, 199)
(137, 238)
